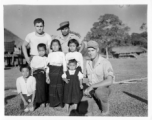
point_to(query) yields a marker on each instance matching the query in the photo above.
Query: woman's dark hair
(39, 20)
(41, 45)
(25, 66)
(75, 42)
(72, 61)
(56, 40)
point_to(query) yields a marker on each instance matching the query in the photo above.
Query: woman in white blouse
(57, 66)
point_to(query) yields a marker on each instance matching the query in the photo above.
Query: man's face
(39, 28)
(41, 51)
(65, 31)
(72, 66)
(25, 72)
(92, 52)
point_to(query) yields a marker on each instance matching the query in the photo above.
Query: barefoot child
(38, 65)
(72, 90)
(26, 86)
(57, 66)
(73, 54)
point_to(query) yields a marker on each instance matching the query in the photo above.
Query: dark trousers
(100, 95)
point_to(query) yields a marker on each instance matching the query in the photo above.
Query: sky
(19, 18)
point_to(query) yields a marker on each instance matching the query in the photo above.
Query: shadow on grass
(8, 98)
(10, 88)
(81, 110)
(7, 68)
(136, 97)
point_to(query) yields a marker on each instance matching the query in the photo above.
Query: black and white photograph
(76, 60)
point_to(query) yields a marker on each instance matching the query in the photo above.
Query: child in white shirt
(57, 66)
(26, 86)
(38, 65)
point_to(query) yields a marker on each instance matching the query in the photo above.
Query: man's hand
(86, 92)
(66, 80)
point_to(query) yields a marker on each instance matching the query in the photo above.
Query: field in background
(125, 100)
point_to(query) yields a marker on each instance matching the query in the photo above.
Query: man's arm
(24, 45)
(104, 83)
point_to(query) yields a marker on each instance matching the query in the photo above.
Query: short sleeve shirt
(64, 41)
(27, 87)
(34, 40)
(39, 62)
(100, 72)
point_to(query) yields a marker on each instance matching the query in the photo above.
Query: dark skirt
(56, 85)
(72, 91)
(40, 76)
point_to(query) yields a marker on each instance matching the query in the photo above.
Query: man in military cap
(66, 35)
(99, 73)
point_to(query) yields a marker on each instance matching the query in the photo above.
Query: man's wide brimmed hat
(63, 25)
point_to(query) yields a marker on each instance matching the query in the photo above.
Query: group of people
(55, 71)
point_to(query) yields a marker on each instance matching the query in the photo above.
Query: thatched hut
(127, 51)
(10, 39)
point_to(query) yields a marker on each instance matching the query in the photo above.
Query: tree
(109, 30)
(143, 27)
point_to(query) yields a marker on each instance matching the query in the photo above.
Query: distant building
(127, 51)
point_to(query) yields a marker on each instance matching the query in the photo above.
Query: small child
(72, 90)
(26, 86)
(73, 54)
(57, 66)
(38, 65)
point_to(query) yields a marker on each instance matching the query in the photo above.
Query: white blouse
(57, 59)
(38, 62)
(72, 72)
(27, 87)
(77, 56)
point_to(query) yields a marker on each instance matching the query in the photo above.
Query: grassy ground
(125, 100)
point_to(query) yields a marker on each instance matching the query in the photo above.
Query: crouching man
(99, 73)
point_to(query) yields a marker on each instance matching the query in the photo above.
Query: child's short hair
(72, 61)
(56, 40)
(41, 45)
(25, 66)
(39, 20)
(73, 41)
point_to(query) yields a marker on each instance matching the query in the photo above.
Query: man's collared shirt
(100, 71)
(64, 41)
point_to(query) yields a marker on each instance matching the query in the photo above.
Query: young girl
(57, 66)
(38, 65)
(72, 91)
(73, 54)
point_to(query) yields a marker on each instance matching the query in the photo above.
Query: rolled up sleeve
(27, 39)
(108, 70)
